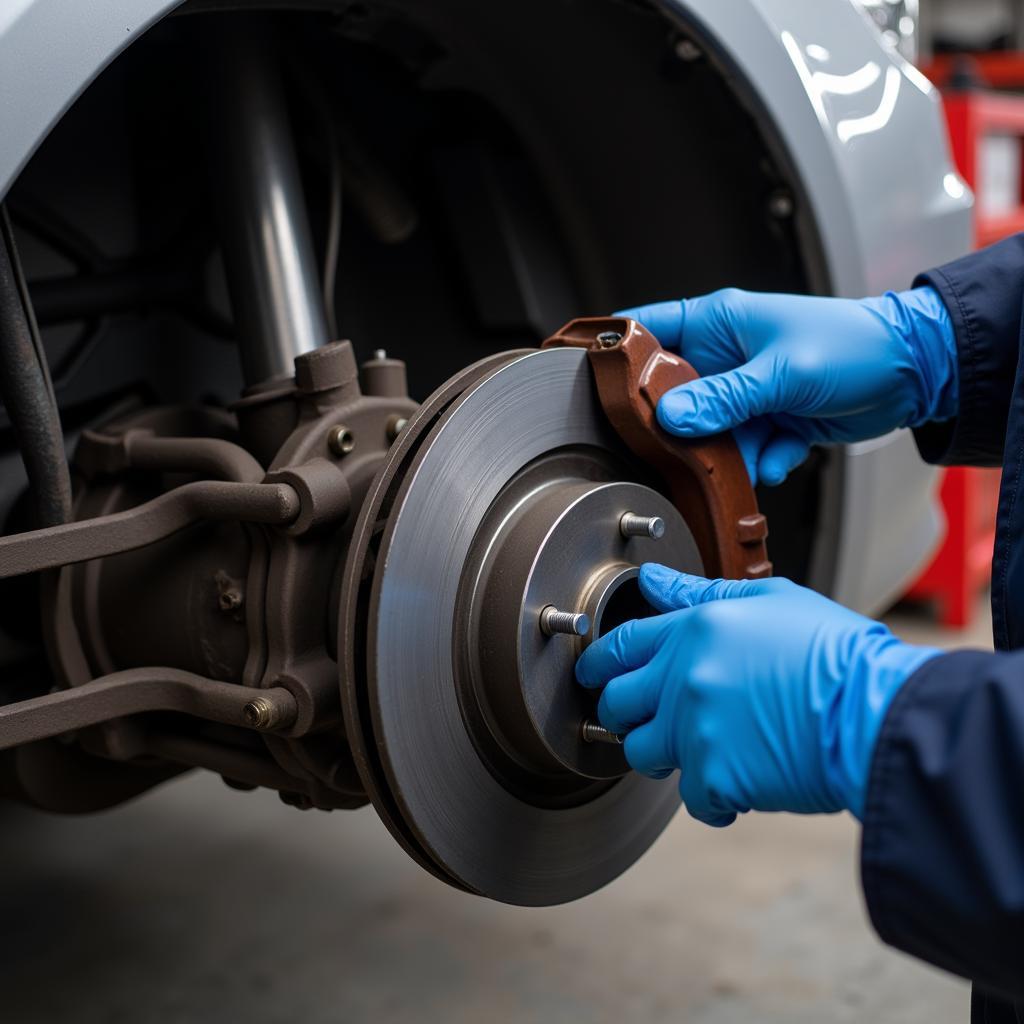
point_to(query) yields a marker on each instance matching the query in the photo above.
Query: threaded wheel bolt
(594, 732)
(553, 621)
(632, 525)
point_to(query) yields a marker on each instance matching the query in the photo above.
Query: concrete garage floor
(199, 904)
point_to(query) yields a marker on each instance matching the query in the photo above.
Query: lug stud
(594, 732)
(553, 621)
(632, 525)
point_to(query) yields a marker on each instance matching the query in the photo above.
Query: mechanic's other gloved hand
(789, 371)
(766, 695)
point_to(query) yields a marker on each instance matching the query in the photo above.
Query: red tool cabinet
(982, 124)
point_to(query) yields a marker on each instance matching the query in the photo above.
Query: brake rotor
(503, 497)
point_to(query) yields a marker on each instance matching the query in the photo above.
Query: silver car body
(862, 128)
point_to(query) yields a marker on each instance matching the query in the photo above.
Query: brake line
(27, 391)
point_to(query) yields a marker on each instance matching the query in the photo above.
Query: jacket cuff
(982, 292)
(955, 441)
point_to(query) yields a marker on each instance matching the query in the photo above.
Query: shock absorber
(268, 250)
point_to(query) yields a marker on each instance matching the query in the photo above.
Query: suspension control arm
(275, 504)
(210, 457)
(144, 689)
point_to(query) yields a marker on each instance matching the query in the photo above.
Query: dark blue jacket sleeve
(983, 293)
(942, 854)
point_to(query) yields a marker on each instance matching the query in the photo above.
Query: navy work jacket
(942, 856)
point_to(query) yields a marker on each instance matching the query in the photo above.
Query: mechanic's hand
(766, 695)
(790, 371)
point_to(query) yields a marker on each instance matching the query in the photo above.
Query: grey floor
(199, 904)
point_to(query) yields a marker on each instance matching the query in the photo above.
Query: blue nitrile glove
(790, 371)
(766, 695)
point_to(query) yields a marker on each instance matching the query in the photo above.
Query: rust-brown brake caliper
(706, 478)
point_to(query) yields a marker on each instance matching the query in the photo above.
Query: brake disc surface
(424, 769)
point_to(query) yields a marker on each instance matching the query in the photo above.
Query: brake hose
(27, 391)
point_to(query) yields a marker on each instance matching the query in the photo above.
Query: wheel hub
(551, 539)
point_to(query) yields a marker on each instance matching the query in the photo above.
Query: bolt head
(609, 339)
(396, 424)
(340, 440)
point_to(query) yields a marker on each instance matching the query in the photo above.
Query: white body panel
(863, 129)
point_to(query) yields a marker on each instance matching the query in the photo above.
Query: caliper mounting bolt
(632, 525)
(609, 339)
(395, 425)
(553, 621)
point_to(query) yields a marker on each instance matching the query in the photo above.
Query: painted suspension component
(219, 594)
(395, 615)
